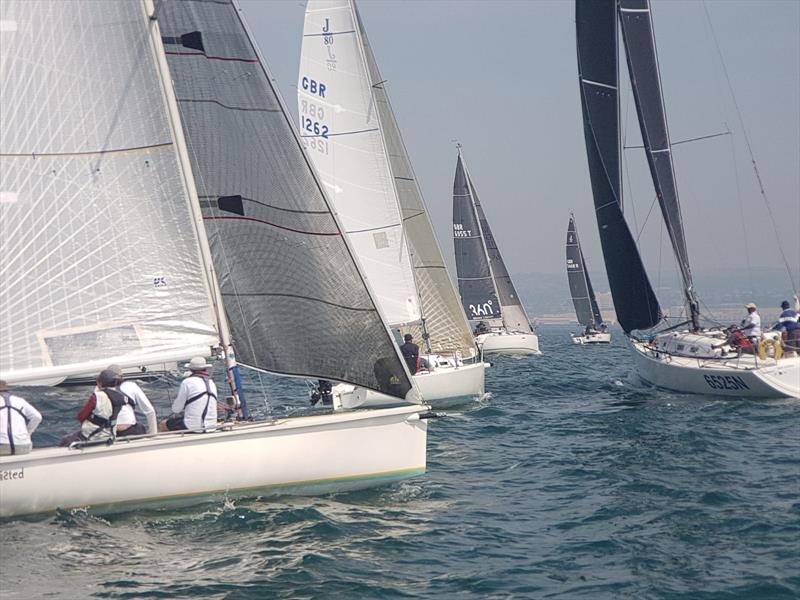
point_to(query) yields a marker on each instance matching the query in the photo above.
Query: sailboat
(157, 204)
(684, 357)
(487, 292)
(353, 139)
(583, 298)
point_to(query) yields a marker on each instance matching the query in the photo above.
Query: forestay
(444, 320)
(634, 300)
(341, 129)
(475, 282)
(100, 259)
(295, 299)
(580, 286)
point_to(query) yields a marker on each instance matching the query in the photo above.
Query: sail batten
(596, 28)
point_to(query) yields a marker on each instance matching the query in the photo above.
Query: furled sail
(295, 299)
(640, 50)
(100, 260)
(514, 316)
(580, 286)
(634, 300)
(341, 129)
(443, 320)
(475, 282)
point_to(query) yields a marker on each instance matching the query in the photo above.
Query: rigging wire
(749, 147)
(741, 213)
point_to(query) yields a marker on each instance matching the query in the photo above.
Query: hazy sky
(501, 77)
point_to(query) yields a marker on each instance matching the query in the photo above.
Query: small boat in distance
(595, 330)
(487, 293)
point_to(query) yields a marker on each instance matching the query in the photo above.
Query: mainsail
(634, 300)
(340, 125)
(580, 286)
(640, 49)
(514, 316)
(100, 257)
(475, 282)
(296, 301)
(443, 325)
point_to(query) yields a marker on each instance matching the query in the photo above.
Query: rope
(749, 147)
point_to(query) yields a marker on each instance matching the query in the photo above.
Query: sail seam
(88, 152)
(241, 108)
(270, 294)
(211, 218)
(224, 58)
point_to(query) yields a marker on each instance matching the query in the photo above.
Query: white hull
(307, 455)
(592, 338)
(508, 343)
(739, 377)
(438, 388)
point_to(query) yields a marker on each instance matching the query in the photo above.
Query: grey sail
(580, 286)
(475, 282)
(443, 320)
(640, 50)
(295, 299)
(514, 316)
(100, 255)
(596, 28)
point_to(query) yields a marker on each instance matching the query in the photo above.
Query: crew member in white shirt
(195, 406)
(751, 325)
(18, 421)
(126, 419)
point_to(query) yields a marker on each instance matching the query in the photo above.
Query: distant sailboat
(144, 223)
(487, 292)
(354, 141)
(583, 298)
(694, 359)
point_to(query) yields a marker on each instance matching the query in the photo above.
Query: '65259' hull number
(725, 382)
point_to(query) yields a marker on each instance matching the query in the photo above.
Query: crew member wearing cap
(126, 420)
(789, 327)
(99, 416)
(751, 325)
(18, 421)
(195, 406)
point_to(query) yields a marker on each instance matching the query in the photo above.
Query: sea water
(571, 480)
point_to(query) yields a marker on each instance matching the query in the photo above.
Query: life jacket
(9, 427)
(740, 340)
(208, 395)
(104, 414)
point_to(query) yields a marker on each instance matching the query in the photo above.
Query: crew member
(137, 399)
(410, 353)
(18, 421)
(789, 327)
(751, 325)
(195, 406)
(98, 417)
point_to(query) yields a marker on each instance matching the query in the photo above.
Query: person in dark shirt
(410, 353)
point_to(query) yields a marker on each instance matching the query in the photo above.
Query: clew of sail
(100, 258)
(340, 127)
(295, 299)
(444, 323)
(635, 302)
(580, 286)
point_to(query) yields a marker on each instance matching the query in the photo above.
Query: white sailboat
(353, 139)
(580, 286)
(687, 359)
(487, 292)
(157, 204)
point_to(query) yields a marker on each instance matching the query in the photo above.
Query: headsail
(640, 49)
(444, 321)
(341, 130)
(634, 300)
(580, 286)
(100, 258)
(295, 299)
(514, 316)
(475, 282)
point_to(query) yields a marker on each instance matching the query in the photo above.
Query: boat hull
(301, 455)
(508, 343)
(592, 338)
(742, 377)
(444, 387)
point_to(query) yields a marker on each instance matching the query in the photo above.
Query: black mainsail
(640, 50)
(634, 300)
(580, 286)
(475, 282)
(271, 229)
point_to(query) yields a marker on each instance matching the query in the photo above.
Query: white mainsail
(341, 129)
(100, 258)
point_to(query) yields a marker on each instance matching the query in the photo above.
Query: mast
(642, 58)
(231, 368)
(597, 44)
